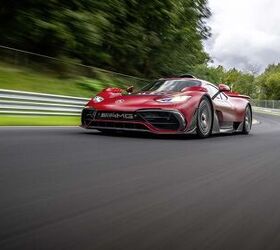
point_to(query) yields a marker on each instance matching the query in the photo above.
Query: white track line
(255, 122)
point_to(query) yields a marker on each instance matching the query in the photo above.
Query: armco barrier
(266, 110)
(15, 102)
(29, 103)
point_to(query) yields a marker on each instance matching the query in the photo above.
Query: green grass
(27, 79)
(6, 120)
(36, 78)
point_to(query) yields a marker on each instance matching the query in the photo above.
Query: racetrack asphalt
(67, 188)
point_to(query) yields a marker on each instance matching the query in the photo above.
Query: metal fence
(267, 106)
(28, 103)
(14, 102)
(270, 104)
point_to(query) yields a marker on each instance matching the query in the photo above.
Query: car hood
(131, 102)
(134, 99)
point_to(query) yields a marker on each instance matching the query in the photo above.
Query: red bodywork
(228, 109)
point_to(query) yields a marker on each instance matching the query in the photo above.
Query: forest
(145, 38)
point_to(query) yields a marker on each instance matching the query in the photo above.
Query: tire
(204, 119)
(247, 123)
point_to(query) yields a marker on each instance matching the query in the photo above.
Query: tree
(239, 81)
(269, 83)
(145, 38)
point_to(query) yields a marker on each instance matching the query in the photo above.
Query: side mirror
(224, 88)
(129, 89)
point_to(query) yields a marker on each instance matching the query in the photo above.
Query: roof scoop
(187, 76)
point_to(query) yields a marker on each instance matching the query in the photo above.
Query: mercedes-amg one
(175, 105)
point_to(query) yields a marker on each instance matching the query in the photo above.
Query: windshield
(170, 85)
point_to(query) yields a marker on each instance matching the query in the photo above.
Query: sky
(245, 33)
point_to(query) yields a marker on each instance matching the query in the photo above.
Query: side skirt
(216, 124)
(240, 127)
(192, 128)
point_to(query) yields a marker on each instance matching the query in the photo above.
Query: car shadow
(141, 135)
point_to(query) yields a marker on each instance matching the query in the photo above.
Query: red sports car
(177, 105)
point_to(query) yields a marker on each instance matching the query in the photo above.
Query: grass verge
(6, 120)
(17, 77)
(37, 78)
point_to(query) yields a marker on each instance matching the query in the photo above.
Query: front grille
(120, 120)
(167, 120)
(117, 116)
(159, 119)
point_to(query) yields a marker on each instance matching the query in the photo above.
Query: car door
(223, 106)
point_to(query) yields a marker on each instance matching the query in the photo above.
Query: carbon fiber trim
(166, 119)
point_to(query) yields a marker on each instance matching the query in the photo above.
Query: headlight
(98, 99)
(174, 99)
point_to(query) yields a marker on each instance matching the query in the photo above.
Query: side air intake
(188, 76)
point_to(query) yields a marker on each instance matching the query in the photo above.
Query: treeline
(147, 38)
(144, 38)
(240, 81)
(268, 83)
(265, 86)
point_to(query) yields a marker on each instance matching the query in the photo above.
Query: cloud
(244, 33)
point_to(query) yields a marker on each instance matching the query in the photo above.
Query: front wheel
(247, 123)
(204, 119)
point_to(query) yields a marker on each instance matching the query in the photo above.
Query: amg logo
(117, 116)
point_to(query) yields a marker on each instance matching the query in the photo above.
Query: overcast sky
(244, 33)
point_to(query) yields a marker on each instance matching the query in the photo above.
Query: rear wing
(236, 94)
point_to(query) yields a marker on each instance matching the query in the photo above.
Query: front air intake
(88, 117)
(164, 120)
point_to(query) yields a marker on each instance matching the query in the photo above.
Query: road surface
(66, 188)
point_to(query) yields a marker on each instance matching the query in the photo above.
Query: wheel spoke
(248, 120)
(204, 118)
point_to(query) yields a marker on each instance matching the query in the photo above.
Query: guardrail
(270, 104)
(267, 106)
(13, 102)
(30, 103)
(266, 110)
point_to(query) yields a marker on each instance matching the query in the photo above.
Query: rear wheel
(247, 124)
(204, 118)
